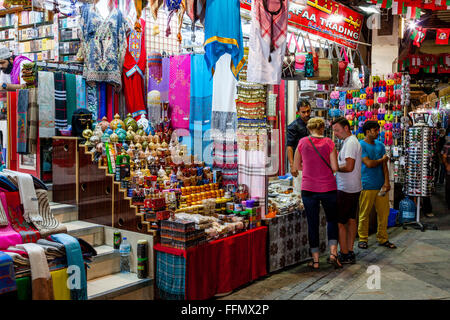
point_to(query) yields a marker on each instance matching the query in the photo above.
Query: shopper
(297, 130)
(446, 160)
(316, 157)
(349, 188)
(11, 70)
(375, 183)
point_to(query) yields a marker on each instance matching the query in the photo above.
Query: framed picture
(27, 162)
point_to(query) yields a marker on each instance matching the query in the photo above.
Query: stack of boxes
(250, 210)
(155, 210)
(181, 234)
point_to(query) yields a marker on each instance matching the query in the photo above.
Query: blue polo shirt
(372, 178)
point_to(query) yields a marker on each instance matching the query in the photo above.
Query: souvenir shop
(168, 119)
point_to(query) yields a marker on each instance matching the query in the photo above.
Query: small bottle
(125, 251)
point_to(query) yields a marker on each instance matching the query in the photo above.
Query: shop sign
(325, 18)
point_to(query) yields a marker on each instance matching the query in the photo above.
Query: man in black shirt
(297, 130)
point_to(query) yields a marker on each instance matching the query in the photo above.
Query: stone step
(64, 212)
(106, 262)
(93, 233)
(120, 286)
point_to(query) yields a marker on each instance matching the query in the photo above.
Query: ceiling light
(370, 9)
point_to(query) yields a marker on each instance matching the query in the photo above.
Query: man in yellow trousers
(375, 183)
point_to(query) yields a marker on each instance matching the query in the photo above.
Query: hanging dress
(223, 34)
(134, 73)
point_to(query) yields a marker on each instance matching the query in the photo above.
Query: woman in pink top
(319, 186)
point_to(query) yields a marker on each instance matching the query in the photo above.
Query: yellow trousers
(367, 200)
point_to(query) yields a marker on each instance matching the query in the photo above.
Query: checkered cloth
(273, 28)
(170, 279)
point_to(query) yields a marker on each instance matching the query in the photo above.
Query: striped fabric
(3, 217)
(170, 276)
(33, 121)
(60, 101)
(49, 224)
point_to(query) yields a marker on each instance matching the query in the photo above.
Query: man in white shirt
(11, 70)
(348, 179)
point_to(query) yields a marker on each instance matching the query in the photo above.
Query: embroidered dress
(104, 45)
(134, 73)
(223, 34)
(179, 91)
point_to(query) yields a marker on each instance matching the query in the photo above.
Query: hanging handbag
(314, 54)
(349, 69)
(334, 64)
(300, 56)
(324, 67)
(288, 71)
(342, 67)
(364, 71)
(309, 63)
(355, 82)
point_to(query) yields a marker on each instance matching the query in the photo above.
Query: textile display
(223, 34)
(17, 257)
(155, 66)
(71, 95)
(28, 196)
(200, 110)
(74, 257)
(195, 9)
(171, 270)
(41, 280)
(288, 239)
(24, 288)
(154, 6)
(267, 42)
(81, 92)
(60, 101)
(252, 168)
(3, 218)
(12, 127)
(46, 102)
(19, 224)
(7, 276)
(104, 45)
(8, 236)
(60, 289)
(163, 85)
(179, 91)
(92, 101)
(222, 265)
(224, 121)
(22, 122)
(8, 183)
(33, 119)
(134, 73)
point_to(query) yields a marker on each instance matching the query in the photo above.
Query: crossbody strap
(317, 151)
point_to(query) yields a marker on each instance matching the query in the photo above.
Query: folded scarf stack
(29, 74)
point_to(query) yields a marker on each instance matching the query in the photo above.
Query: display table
(287, 241)
(213, 268)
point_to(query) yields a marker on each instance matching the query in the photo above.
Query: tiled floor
(418, 269)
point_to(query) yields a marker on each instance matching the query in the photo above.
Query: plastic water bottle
(407, 210)
(125, 251)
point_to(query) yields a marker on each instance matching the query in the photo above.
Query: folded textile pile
(29, 74)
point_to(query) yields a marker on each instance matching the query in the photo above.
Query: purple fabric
(8, 237)
(179, 91)
(163, 86)
(15, 73)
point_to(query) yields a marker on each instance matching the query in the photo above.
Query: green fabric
(24, 288)
(71, 95)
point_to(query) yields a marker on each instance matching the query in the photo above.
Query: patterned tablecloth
(287, 241)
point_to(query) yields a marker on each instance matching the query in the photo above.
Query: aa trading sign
(325, 18)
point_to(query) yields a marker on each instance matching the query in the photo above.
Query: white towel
(28, 197)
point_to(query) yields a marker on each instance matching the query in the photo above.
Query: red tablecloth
(223, 265)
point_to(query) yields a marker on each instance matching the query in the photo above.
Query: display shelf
(34, 25)
(10, 10)
(39, 38)
(3, 40)
(6, 28)
(69, 40)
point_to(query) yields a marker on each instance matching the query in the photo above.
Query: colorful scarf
(27, 232)
(163, 85)
(81, 92)
(92, 101)
(22, 121)
(200, 110)
(7, 276)
(46, 102)
(195, 10)
(154, 6)
(71, 95)
(273, 28)
(155, 66)
(41, 280)
(15, 72)
(60, 101)
(8, 236)
(74, 258)
(102, 109)
(49, 224)
(33, 116)
(179, 91)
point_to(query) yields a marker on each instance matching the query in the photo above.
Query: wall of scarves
(35, 250)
